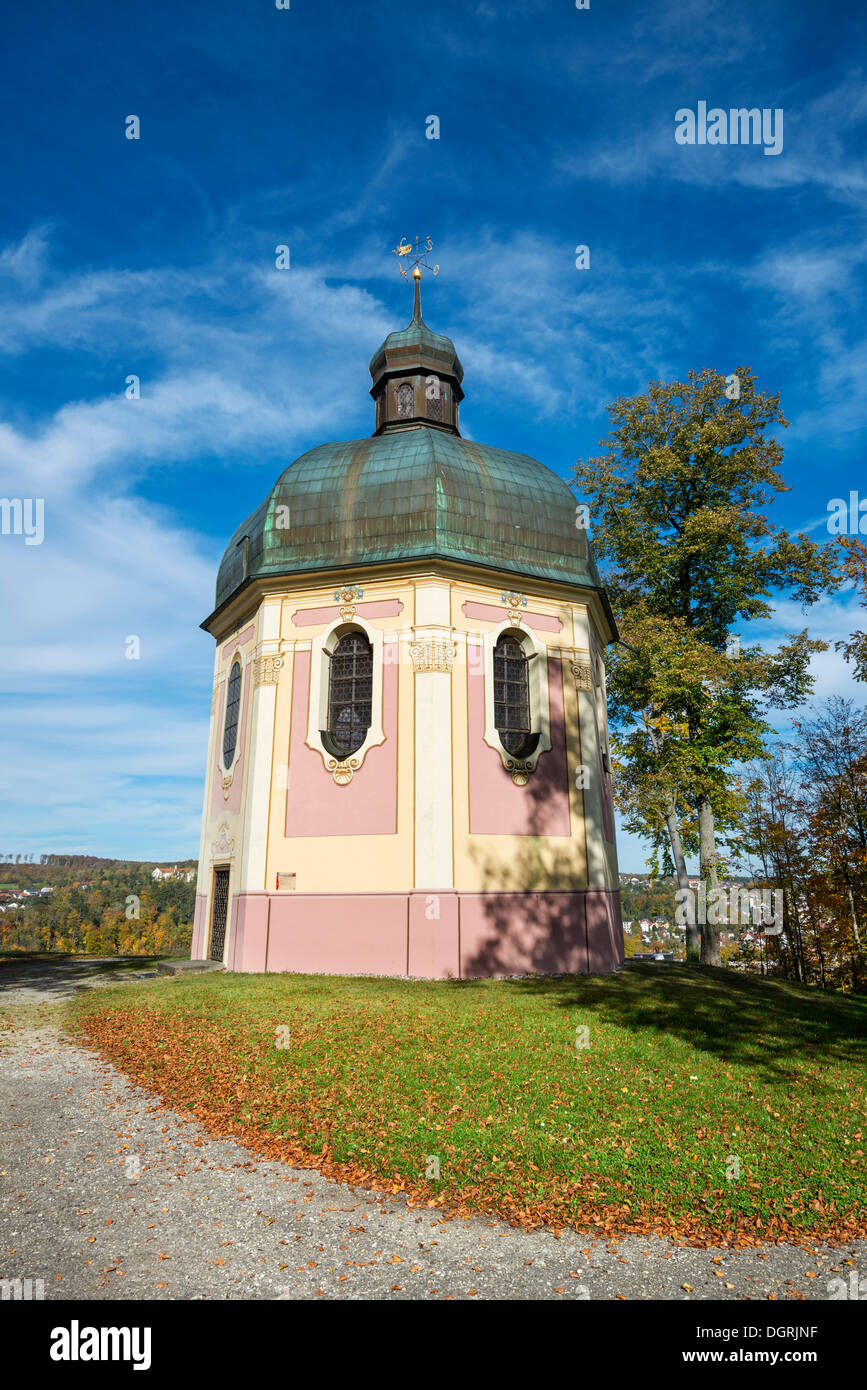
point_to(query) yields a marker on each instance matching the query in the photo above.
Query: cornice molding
(245, 602)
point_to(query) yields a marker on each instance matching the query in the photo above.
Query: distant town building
(183, 875)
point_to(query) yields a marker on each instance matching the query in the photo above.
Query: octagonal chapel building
(408, 762)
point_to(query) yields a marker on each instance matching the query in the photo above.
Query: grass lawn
(706, 1105)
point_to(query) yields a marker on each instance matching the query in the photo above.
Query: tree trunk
(693, 948)
(854, 914)
(693, 940)
(707, 854)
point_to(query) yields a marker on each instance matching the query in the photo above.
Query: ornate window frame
(321, 649)
(236, 665)
(227, 774)
(540, 710)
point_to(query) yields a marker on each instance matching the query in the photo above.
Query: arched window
(233, 705)
(350, 694)
(512, 698)
(405, 395)
(435, 406)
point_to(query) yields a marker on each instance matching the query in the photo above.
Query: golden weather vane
(413, 254)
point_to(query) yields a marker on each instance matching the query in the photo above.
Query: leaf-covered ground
(705, 1105)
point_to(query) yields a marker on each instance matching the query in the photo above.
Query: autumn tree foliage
(677, 504)
(854, 568)
(807, 833)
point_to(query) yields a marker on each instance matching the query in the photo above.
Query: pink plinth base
(444, 935)
(200, 928)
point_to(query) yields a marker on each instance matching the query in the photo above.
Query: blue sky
(306, 127)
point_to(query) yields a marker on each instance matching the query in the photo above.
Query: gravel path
(106, 1194)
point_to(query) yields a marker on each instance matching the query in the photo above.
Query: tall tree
(677, 513)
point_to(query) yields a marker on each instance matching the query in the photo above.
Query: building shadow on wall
(538, 934)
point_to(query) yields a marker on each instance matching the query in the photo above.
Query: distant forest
(99, 906)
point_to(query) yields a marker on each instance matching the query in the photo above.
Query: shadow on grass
(41, 970)
(768, 1026)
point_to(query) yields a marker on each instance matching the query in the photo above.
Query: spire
(416, 301)
(416, 373)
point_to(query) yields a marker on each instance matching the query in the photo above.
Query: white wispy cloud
(822, 149)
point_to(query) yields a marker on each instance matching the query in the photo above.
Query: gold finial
(413, 253)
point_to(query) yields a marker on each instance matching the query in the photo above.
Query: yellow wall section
(383, 863)
(503, 862)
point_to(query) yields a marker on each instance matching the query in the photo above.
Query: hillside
(75, 903)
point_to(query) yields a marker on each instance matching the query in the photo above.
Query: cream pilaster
(203, 879)
(431, 655)
(258, 790)
(598, 871)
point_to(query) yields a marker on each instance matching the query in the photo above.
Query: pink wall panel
(434, 951)
(315, 804)
(605, 929)
(364, 935)
(497, 806)
(240, 641)
(540, 622)
(197, 948)
(248, 940)
(323, 617)
(510, 933)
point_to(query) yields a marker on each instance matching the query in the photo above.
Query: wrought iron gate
(218, 914)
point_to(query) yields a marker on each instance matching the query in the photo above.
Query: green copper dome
(419, 493)
(415, 490)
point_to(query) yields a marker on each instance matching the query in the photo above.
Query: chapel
(408, 769)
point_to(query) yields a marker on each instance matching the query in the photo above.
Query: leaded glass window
(233, 705)
(350, 693)
(405, 395)
(512, 697)
(435, 406)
